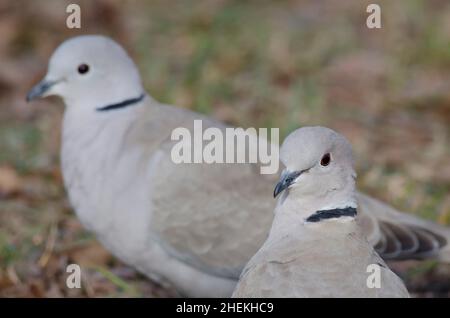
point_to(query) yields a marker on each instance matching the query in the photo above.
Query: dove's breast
(109, 167)
(105, 183)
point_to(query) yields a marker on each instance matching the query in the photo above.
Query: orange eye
(326, 159)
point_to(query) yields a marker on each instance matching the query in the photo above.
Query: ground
(249, 63)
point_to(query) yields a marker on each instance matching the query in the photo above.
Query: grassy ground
(250, 63)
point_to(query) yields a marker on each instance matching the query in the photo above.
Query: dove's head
(319, 165)
(90, 71)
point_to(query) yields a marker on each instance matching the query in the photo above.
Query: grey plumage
(398, 236)
(322, 258)
(193, 225)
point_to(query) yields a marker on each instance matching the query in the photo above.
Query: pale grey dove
(193, 225)
(315, 247)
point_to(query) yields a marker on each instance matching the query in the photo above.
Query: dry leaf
(90, 255)
(10, 182)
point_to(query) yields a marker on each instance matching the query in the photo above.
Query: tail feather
(396, 235)
(406, 238)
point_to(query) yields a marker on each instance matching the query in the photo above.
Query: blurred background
(249, 63)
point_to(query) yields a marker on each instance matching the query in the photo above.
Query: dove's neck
(295, 213)
(86, 126)
(304, 204)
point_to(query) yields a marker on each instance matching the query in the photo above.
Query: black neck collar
(331, 214)
(122, 104)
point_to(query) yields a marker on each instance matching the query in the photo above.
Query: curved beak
(287, 178)
(40, 89)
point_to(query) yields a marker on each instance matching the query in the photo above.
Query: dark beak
(39, 90)
(286, 180)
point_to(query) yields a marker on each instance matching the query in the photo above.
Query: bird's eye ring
(83, 68)
(326, 159)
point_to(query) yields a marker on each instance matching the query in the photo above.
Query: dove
(193, 226)
(315, 247)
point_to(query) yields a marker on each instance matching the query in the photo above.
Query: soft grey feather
(193, 225)
(325, 258)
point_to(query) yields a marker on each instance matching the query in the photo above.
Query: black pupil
(325, 160)
(83, 68)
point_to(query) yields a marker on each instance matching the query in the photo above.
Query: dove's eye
(83, 68)
(325, 161)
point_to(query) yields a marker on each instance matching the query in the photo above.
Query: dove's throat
(296, 211)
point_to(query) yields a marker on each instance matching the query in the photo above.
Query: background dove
(315, 247)
(194, 225)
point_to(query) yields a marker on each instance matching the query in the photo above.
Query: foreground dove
(315, 247)
(192, 225)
